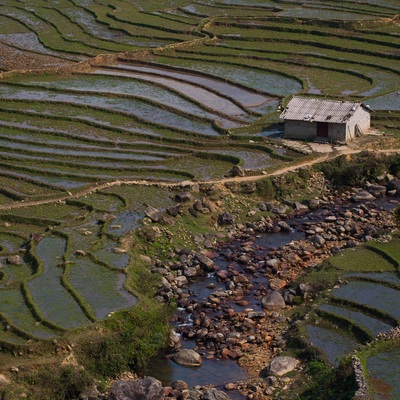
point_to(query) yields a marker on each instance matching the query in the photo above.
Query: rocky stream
(229, 330)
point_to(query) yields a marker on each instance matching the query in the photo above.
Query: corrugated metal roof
(308, 109)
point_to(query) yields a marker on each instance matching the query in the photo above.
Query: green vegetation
(349, 311)
(358, 169)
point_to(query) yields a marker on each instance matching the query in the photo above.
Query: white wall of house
(304, 130)
(362, 118)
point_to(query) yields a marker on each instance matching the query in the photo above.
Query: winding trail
(325, 157)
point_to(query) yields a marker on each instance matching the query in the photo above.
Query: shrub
(357, 170)
(329, 383)
(62, 383)
(134, 337)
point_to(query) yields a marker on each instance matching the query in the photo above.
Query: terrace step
(332, 344)
(301, 147)
(358, 318)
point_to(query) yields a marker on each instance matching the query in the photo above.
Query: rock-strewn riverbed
(241, 318)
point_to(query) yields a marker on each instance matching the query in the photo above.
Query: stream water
(217, 371)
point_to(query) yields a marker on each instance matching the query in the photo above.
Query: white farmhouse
(325, 120)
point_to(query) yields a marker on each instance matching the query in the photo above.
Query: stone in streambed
(188, 358)
(362, 196)
(143, 389)
(215, 394)
(273, 301)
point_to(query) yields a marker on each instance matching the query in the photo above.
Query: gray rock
(188, 358)
(262, 207)
(190, 272)
(198, 205)
(273, 301)
(173, 211)
(215, 394)
(377, 190)
(205, 262)
(181, 280)
(154, 214)
(318, 240)
(394, 184)
(237, 171)
(300, 207)
(179, 385)
(284, 226)
(226, 219)
(174, 341)
(363, 195)
(314, 204)
(303, 288)
(282, 365)
(143, 389)
(282, 209)
(193, 212)
(256, 314)
(184, 197)
(274, 263)
(14, 260)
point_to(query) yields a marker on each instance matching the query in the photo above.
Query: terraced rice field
(157, 91)
(361, 309)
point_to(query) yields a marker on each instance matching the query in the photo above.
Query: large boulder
(273, 301)
(147, 388)
(282, 365)
(205, 262)
(154, 214)
(237, 171)
(377, 190)
(188, 358)
(362, 196)
(394, 184)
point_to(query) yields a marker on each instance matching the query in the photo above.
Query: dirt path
(325, 157)
(143, 182)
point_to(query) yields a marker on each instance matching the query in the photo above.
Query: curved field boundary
(297, 28)
(395, 261)
(381, 314)
(182, 94)
(285, 62)
(209, 75)
(147, 100)
(361, 334)
(36, 312)
(268, 54)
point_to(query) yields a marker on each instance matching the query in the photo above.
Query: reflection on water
(216, 372)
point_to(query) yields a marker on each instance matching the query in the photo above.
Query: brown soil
(14, 59)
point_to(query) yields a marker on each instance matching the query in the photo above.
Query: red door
(322, 129)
